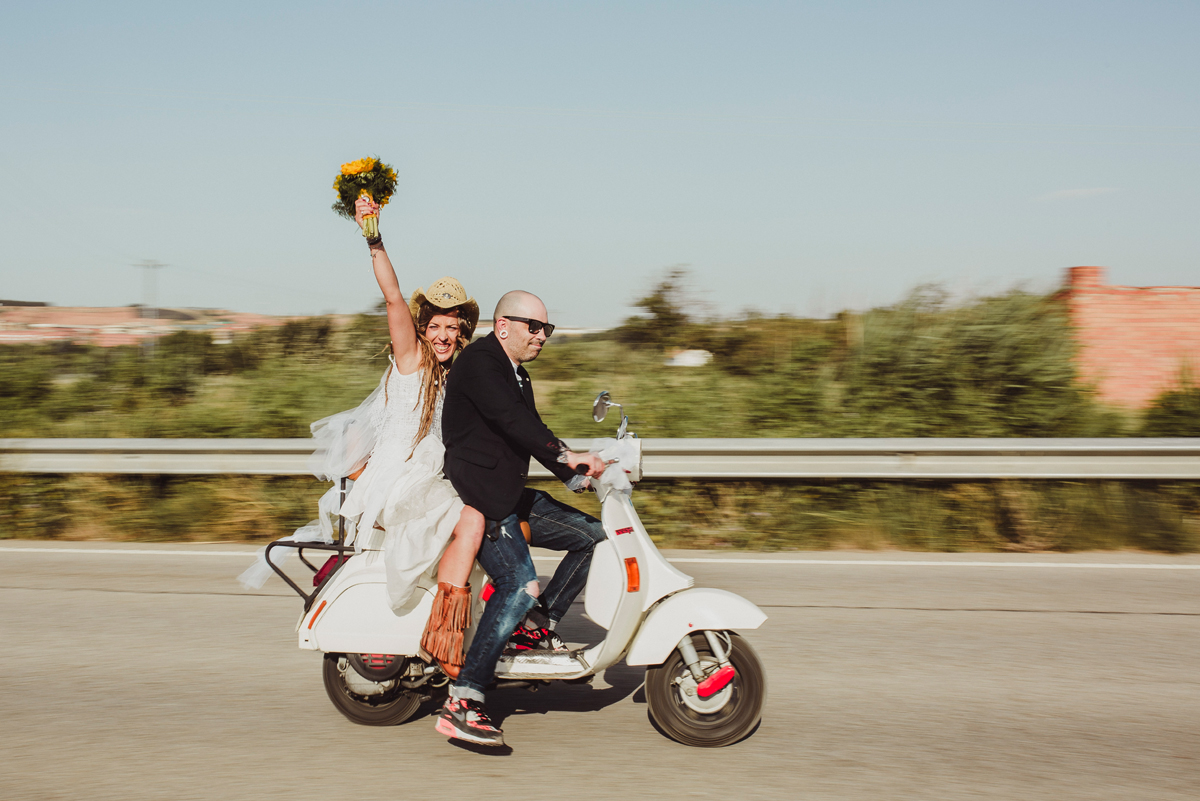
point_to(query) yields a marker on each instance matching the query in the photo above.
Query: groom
(491, 428)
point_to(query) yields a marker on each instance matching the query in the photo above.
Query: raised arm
(405, 347)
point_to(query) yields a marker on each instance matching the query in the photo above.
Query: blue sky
(799, 157)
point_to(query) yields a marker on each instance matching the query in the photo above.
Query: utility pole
(150, 284)
(149, 290)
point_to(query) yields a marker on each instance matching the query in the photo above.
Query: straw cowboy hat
(447, 293)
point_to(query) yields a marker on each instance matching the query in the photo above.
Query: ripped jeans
(552, 525)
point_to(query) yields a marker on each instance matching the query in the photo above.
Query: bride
(391, 447)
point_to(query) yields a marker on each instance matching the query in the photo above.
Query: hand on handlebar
(585, 464)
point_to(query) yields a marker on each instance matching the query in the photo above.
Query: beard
(530, 352)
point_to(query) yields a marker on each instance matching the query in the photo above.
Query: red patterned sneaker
(542, 640)
(464, 719)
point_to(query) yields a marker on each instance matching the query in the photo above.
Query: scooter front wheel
(722, 719)
(366, 702)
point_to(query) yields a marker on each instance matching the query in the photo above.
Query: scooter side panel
(605, 584)
(360, 620)
(691, 610)
(662, 577)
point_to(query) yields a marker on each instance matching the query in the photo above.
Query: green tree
(666, 319)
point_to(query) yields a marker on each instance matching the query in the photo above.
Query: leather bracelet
(378, 240)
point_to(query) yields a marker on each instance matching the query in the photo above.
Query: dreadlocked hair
(433, 373)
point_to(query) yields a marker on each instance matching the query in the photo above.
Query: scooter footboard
(696, 609)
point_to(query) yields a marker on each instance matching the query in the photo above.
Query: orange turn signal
(313, 619)
(633, 579)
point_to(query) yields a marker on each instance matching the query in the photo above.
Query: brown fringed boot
(448, 620)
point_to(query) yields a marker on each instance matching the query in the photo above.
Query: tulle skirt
(405, 494)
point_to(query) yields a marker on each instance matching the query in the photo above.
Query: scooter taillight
(486, 592)
(330, 564)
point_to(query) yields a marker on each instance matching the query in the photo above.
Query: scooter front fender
(691, 610)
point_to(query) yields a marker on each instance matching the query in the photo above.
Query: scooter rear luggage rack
(338, 546)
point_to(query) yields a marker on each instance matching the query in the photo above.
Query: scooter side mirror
(601, 406)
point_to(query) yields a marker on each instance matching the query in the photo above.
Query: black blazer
(491, 428)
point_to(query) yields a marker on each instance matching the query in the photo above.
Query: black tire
(739, 712)
(393, 706)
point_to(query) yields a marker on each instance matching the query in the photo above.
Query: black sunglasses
(534, 325)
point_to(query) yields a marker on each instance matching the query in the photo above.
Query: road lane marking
(680, 560)
(978, 609)
(291, 598)
(130, 551)
(932, 563)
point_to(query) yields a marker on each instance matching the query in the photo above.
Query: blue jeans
(505, 556)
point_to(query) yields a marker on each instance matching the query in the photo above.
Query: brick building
(1134, 341)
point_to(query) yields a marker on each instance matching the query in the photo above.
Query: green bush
(271, 382)
(1175, 413)
(758, 515)
(990, 367)
(993, 367)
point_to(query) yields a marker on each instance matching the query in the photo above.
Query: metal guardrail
(961, 459)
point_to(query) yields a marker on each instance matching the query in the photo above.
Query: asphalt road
(153, 676)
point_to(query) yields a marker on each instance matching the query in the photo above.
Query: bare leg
(455, 567)
(451, 613)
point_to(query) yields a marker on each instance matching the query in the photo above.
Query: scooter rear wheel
(725, 718)
(391, 705)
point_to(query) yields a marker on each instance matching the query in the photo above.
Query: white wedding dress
(401, 506)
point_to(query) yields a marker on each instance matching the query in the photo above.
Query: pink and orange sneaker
(542, 640)
(464, 719)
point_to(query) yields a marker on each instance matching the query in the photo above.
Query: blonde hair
(433, 373)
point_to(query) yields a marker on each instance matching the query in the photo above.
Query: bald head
(520, 303)
(521, 344)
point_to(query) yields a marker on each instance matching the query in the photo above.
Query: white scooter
(705, 685)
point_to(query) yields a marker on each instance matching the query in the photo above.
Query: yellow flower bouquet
(369, 177)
